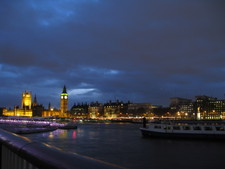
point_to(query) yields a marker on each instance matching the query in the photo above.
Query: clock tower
(64, 101)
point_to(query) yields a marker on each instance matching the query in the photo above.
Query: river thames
(122, 144)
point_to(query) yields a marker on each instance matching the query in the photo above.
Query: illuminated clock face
(65, 97)
(61, 97)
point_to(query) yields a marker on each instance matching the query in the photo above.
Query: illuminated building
(209, 107)
(64, 101)
(204, 107)
(63, 112)
(95, 110)
(181, 106)
(25, 110)
(26, 100)
(51, 112)
(79, 111)
(115, 109)
(29, 108)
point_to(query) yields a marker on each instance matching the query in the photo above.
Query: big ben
(64, 101)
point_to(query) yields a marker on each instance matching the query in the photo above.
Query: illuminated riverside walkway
(17, 152)
(25, 126)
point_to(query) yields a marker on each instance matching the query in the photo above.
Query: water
(123, 144)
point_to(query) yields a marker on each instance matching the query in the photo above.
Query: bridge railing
(18, 152)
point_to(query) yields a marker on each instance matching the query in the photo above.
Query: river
(123, 144)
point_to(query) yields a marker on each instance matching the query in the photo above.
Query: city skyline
(142, 51)
(70, 103)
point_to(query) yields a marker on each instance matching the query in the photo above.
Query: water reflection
(74, 134)
(60, 134)
(51, 135)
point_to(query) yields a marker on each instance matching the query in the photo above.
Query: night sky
(137, 50)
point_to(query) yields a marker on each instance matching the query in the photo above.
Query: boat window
(197, 128)
(176, 127)
(220, 128)
(157, 127)
(208, 128)
(186, 127)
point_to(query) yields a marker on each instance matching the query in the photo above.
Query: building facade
(95, 110)
(209, 107)
(114, 109)
(181, 107)
(63, 111)
(140, 110)
(64, 102)
(26, 107)
(79, 111)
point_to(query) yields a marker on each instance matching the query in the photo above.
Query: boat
(69, 125)
(194, 129)
(32, 130)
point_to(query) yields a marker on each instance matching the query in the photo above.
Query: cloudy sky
(137, 50)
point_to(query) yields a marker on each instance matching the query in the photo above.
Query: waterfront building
(140, 110)
(51, 112)
(29, 108)
(160, 111)
(114, 109)
(37, 108)
(95, 110)
(209, 107)
(26, 100)
(2, 109)
(181, 107)
(79, 111)
(25, 109)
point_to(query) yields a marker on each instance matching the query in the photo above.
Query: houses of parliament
(31, 108)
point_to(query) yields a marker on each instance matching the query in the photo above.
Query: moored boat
(204, 129)
(69, 125)
(32, 130)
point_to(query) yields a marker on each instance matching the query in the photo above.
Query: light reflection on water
(74, 134)
(60, 134)
(122, 144)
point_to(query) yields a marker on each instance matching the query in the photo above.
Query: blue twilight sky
(137, 50)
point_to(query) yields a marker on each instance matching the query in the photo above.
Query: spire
(64, 89)
(35, 101)
(49, 106)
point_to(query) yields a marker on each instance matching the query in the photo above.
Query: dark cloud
(143, 51)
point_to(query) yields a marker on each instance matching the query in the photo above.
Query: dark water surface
(123, 144)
